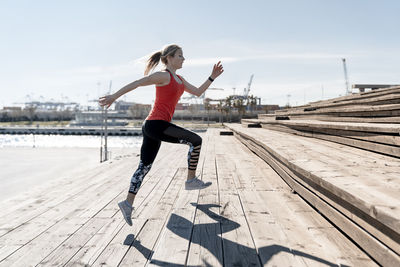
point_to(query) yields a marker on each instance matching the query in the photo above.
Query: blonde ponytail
(162, 55)
(152, 62)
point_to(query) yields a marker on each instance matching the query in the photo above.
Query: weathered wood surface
(246, 217)
(356, 228)
(373, 86)
(361, 95)
(377, 106)
(395, 120)
(377, 97)
(350, 111)
(393, 98)
(348, 126)
(357, 181)
(381, 138)
(323, 117)
(342, 161)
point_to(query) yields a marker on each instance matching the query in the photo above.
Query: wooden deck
(247, 217)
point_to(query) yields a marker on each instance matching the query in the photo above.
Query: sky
(80, 50)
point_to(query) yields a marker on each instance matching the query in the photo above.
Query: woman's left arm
(217, 70)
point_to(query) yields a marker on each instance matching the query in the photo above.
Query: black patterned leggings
(155, 131)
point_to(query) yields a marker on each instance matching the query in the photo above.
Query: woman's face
(177, 60)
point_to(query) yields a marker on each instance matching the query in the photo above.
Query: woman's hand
(217, 70)
(107, 100)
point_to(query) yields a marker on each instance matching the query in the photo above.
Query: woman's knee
(197, 141)
(192, 140)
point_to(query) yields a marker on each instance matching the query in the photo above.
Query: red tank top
(167, 96)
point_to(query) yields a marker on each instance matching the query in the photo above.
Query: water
(86, 141)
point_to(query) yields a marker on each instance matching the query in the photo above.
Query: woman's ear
(168, 58)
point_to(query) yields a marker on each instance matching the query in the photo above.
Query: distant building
(139, 111)
(95, 118)
(180, 106)
(269, 108)
(49, 105)
(12, 108)
(123, 105)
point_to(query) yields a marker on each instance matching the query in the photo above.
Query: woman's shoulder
(164, 77)
(161, 73)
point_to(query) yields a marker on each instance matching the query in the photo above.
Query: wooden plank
(162, 167)
(359, 157)
(339, 162)
(376, 86)
(291, 147)
(20, 216)
(76, 212)
(364, 159)
(48, 198)
(336, 178)
(135, 243)
(343, 99)
(252, 202)
(174, 242)
(363, 142)
(39, 248)
(358, 143)
(76, 207)
(90, 251)
(275, 247)
(69, 249)
(336, 118)
(115, 250)
(119, 247)
(365, 136)
(393, 120)
(352, 98)
(206, 243)
(323, 243)
(373, 101)
(354, 111)
(40, 195)
(349, 126)
(376, 249)
(361, 95)
(37, 230)
(269, 238)
(238, 244)
(363, 110)
(99, 245)
(392, 98)
(380, 148)
(54, 193)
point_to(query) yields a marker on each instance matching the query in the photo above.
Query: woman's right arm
(154, 78)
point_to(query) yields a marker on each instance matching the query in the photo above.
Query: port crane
(247, 90)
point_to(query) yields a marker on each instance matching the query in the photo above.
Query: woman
(157, 126)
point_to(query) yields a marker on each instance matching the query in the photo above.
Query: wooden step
(285, 230)
(381, 138)
(320, 166)
(364, 97)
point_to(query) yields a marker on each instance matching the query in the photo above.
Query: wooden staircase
(343, 157)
